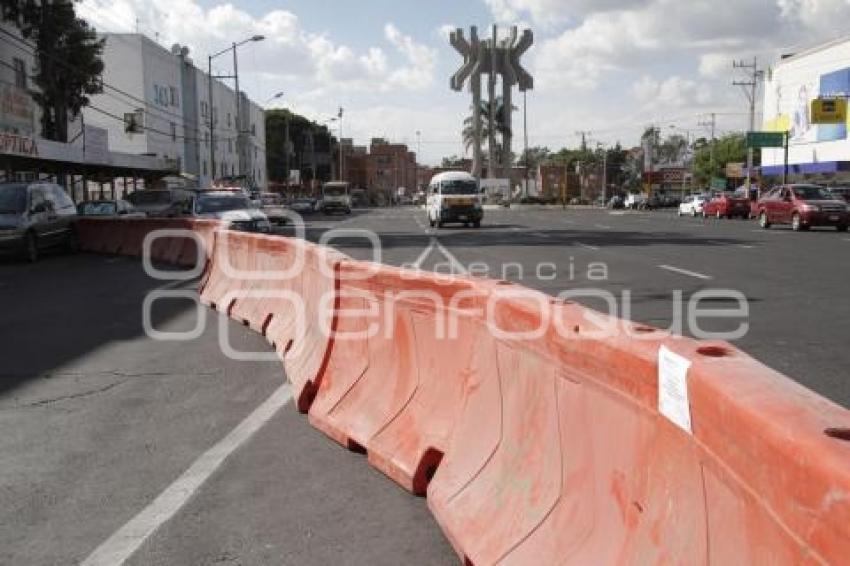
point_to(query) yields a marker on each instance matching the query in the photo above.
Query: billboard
(789, 91)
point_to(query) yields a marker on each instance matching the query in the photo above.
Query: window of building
(204, 167)
(215, 115)
(173, 131)
(175, 96)
(207, 139)
(203, 109)
(229, 145)
(20, 73)
(253, 129)
(228, 119)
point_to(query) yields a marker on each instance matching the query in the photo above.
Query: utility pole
(525, 143)
(713, 125)
(341, 170)
(584, 135)
(750, 87)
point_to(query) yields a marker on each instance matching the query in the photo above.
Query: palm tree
(500, 124)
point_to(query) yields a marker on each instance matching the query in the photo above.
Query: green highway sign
(765, 139)
(718, 183)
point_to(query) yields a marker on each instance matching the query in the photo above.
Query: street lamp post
(234, 76)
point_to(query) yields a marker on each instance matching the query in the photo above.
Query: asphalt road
(99, 421)
(102, 423)
(795, 284)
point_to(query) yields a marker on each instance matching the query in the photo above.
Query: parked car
(803, 206)
(272, 206)
(616, 203)
(693, 205)
(167, 203)
(235, 209)
(118, 207)
(35, 217)
(303, 205)
(634, 201)
(727, 205)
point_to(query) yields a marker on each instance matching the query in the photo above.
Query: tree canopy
(69, 63)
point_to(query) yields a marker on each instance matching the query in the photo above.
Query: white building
(789, 88)
(156, 102)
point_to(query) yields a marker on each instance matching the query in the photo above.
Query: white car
(693, 205)
(634, 201)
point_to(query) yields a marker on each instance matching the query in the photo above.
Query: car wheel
(31, 248)
(431, 223)
(477, 224)
(718, 215)
(763, 221)
(797, 223)
(679, 213)
(841, 227)
(694, 212)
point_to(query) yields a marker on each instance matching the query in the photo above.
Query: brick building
(382, 170)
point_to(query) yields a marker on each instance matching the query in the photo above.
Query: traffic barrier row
(180, 242)
(539, 430)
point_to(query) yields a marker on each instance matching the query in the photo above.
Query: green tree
(534, 157)
(302, 133)
(499, 124)
(69, 63)
(453, 161)
(710, 159)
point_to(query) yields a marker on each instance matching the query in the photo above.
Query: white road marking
(685, 272)
(603, 226)
(124, 542)
(587, 247)
(418, 263)
(541, 234)
(770, 231)
(457, 267)
(746, 247)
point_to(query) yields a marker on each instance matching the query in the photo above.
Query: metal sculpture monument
(494, 58)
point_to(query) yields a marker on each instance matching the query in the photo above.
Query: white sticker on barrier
(673, 388)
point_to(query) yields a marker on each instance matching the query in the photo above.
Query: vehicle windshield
(97, 208)
(13, 199)
(812, 192)
(271, 200)
(208, 205)
(150, 197)
(334, 191)
(459, 187)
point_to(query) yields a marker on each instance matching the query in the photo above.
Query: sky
(607, 67)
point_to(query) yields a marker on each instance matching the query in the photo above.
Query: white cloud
(308, 55)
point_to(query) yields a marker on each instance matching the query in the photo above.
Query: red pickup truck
(803, 206)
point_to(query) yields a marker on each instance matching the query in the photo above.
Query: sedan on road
(693, 205)
(727, 205)
(303, 205)
(35, 217)
(235, 209)
(272, 206)
(803, 206)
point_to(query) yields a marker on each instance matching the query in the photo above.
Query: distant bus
(336, 197)
(454, 196)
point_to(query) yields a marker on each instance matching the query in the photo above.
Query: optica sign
(18, 145)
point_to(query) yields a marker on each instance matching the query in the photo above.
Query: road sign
(765, 139)
(718, 183)
(829, 111)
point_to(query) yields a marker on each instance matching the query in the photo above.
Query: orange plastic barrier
(396, 390)
(562, 456)
(533, 425)
(282, 288)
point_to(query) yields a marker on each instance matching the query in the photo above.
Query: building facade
(158, 104)
(817, 152)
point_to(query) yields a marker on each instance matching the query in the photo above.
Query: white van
(454, 196)
(336, 197)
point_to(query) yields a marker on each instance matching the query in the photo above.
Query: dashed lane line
(681, 271)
